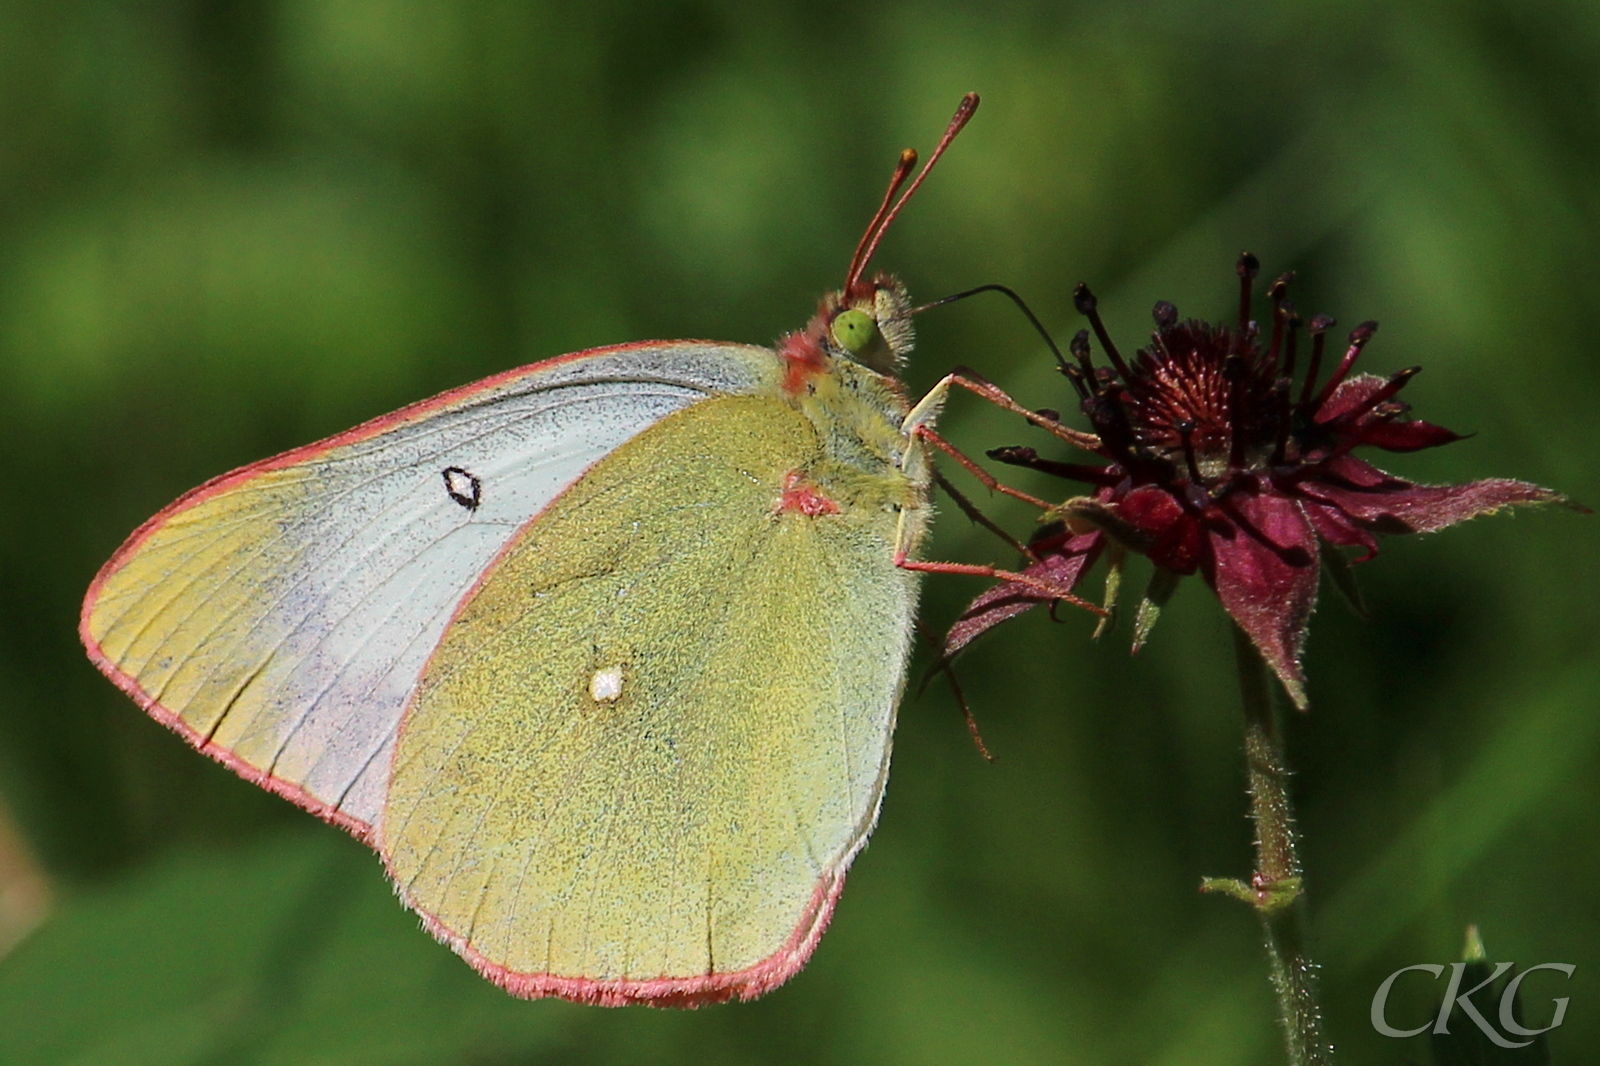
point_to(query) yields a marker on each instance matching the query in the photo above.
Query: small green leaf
(1269, 897)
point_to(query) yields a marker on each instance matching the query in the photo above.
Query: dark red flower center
(1198, 394)
(1205, 404)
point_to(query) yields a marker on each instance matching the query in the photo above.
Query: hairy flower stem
(1275, 888)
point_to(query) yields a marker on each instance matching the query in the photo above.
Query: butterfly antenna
(886, 214)
(858, 262)
(1011, 295)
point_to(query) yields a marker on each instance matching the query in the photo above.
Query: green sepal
(1115, 557)
(1163, 583)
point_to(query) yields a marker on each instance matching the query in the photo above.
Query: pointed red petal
(1333, 526)
(1387, 504)
(1375, 428)
(1357, 473)
(1351, 393)
(1007, 600)
(1264, 570)
(1404, 436)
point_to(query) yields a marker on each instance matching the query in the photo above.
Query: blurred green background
(227, 228)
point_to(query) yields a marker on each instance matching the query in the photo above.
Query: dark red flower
(1217, 463)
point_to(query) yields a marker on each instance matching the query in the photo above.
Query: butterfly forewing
(280, 616)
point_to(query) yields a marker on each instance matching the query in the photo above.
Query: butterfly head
(869, 324)
(872, 326)
(868, 321)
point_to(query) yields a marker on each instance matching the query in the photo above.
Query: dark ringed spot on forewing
(463, 487)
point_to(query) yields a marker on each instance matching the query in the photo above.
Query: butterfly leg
(903, 560)
(947, 668)
(989, 481)
(994, 573)
(918, 425)
(975, 383)
(972, 511)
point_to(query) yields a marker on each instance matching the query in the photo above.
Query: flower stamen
(1280, 396)
(1079, 347)
(1319, 335)
(1233, 372)
(1166, 315)
(1075, 375)
(1291, 320)
(1278, 293)
(1088, 306)
(1247, 267)
(1358, 340)
(1186, 436)
(1319, 338)
(1032, 460)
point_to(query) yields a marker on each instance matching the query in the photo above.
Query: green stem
(1275, 888)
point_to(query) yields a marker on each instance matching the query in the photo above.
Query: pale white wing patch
(606, 685)
(283, 614)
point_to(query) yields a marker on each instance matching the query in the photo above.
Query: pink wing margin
(683, 992)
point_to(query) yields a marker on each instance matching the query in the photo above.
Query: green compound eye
(855, 331)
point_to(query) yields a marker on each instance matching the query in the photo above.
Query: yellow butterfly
(601, 655)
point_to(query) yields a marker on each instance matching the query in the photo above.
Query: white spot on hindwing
(606, 685)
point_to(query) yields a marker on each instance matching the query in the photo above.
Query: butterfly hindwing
(650, 742)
